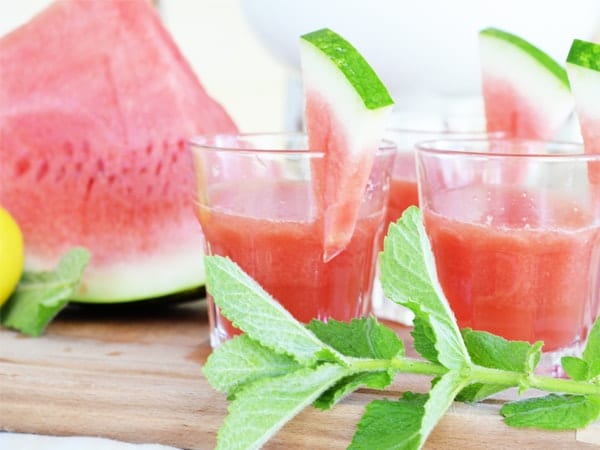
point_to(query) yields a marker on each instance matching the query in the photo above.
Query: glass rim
(207, 143)
(453, 147)
(449, 133)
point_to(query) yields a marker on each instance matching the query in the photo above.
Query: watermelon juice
(517, 252)
(403, 191)
(262, 210)
(521, 283)
(285, 258)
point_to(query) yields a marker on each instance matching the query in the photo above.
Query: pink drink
(260, 202)
(285, 257)
(512, 277)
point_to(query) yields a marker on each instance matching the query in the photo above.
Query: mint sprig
(280, 366)
(40, 296)
(409, 278)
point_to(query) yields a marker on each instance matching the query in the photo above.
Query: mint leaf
(586, 368)
(40, 296)
(408, 277)
(255, 312)
(478, 391)
(495, 352)
(389, 424)
(424, 339)
(373, 380)
(440, 398)
(407, 423)
(576, 368)
(594, 371)
(489, 350)
(242, 360)
(261, 408)
(360, 338)
(591, 353)
(553, 412)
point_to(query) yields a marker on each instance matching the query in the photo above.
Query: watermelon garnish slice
(526, 93)
(583, 67)
(96, 105)
(346, 112)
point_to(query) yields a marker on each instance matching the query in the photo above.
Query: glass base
(219, 331)
(550, 363)
(384, 308)
(217, 337)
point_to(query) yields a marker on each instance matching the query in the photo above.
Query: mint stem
(399, 365)
(545, 383)
(478, 374)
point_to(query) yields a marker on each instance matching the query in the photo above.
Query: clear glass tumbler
(515, 229)
(404, 193)
(259, 204)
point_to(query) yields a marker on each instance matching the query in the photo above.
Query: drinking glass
(514, 228)
(259, 203)
(403, 188)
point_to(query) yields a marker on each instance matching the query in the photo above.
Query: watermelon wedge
(526, 92)
(346, 112)
(583, 67)
(96, 105)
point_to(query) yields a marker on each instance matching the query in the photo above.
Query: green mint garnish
(252, 310)
(553, 412)
(263, 406)
(40, 296)
(403, 416)
(409, 278)
(359, 338)
(280, 366)
(364, 338)
(242, 360)
(588, 366)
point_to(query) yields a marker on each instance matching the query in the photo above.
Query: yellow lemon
(11, 255)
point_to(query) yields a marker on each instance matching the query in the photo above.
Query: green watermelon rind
(353, 66)
(583, 68)
(584, 54)
(534, 52)
(184, 295)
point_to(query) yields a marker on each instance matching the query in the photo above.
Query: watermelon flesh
(585, 83)
(508, 110)
(526, 93)
(342, 184)
(584, 74)
(341, 123)
(96, 106)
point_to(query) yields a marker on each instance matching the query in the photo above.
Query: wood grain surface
(134, 374)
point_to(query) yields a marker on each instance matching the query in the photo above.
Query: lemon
(11, 255)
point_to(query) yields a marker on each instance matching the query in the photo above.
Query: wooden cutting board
(134, 374)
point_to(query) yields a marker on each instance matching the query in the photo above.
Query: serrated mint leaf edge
(242, 360)
(369, 430)
(484, 347)
(591, 352)
(50, 291)
(349, 384)
(375, 336)
(576, 368)
(409, 234)
(533, 412)
(240, 429)
(245, 303)
(440, 398)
